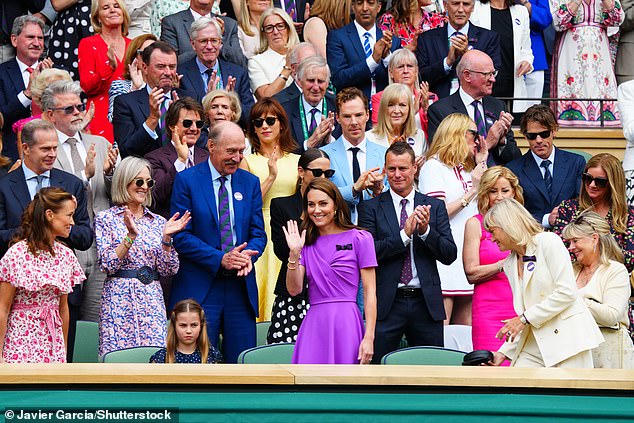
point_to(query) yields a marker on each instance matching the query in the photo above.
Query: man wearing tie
(411, 232)
(222, 241)
(206, 71)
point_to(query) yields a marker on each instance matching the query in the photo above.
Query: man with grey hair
(175, 30)
(15, 77)
(207, 71)
(297, 54)
(18, 188)
(92, 159)
(11, 9)
(311, 114)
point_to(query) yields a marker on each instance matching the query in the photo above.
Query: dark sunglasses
(581, 219)
(533, 135)
(270, 121)
(318, 172)
(598, 182)
(188, 122)
(473, 132)
(81, 107)
(139, 182)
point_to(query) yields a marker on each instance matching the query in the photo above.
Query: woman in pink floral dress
(407, 19)
(36, 275)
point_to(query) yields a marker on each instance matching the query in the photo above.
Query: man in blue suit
(225, 236)
(357, 161)
(547, 174)
(439, 51)
(357, 53)
(411, 233)
(15, 87)
(206, 71)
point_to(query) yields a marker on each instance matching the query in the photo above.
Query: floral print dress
(34, 326)
(406, 32)
(132, 314)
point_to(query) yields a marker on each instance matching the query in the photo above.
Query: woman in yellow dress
(275, 164)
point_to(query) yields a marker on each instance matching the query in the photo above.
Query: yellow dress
(268, 266)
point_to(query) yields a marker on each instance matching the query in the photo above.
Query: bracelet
(291, 261)
(127, 241)
(291, 268)
(285, 78)
(523, 319)
(168, 244)
(286, 67)
(463, 202)
(499, 266)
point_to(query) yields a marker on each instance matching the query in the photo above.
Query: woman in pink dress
(36, 275)
(100, 59)
(334, 254)
(492, 295)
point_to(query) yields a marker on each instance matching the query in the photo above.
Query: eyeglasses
(473, 132)
(598, 182)
(318, 172)
(139, 51)
(69, 110)
(270, 28)
(215, 42)
(258, 122)
(139, 182)
(188, 122)
(487, 75)
(533, 135)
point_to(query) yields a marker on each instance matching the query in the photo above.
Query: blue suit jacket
(346, 59)
(567, 170)
(379, 218)
(198, 245)
(194, 84)
(11, 84)
(432, 48)
(291, 107)
(15, 197)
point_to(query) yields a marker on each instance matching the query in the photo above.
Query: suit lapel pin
(530, 266)
(237, 196)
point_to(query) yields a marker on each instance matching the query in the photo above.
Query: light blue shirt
(551, 169)
(215, 177)
(150, 132)
(203, 73)
(31, 180)
(450, 31)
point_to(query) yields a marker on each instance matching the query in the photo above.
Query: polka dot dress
(70, 26)
(286, 318)
(182, 358)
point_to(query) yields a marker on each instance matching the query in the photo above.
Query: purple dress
(333, 328)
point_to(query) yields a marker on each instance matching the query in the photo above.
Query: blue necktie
(366, 45)
(548, 178)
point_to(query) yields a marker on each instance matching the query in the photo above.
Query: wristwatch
(523, 319)
(463, 202)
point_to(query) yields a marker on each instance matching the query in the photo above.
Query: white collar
(361, 30)
(464, 30)
(23, 66)
(539, 160)
(347, 145)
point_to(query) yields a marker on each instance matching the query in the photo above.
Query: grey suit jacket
(175, 30)
(624, 66)
(98, 192)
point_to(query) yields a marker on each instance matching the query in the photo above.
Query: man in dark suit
(440, 50)
(296, 54)
(358, 53)
(175, 31)
(136, 119)
(311, 114)
(225, 236)
(547, 174)
(9, 10)
(409, 298)
(206, 72)
(179, 154)
(477, 75)
(18, 188)
(15, 86)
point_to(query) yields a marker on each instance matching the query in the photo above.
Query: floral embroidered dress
(34, 326)
(406, 32)
(582, 65)
(132, 314)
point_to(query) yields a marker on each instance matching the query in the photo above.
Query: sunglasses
(188, 122)
(472, 132)
(581, 219)
(533, 135)
(318, 172)
(139, 182)
(69, 110)
(270, 121)
(598, 182)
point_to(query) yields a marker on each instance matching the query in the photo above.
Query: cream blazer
(481, 16)
(547, 295)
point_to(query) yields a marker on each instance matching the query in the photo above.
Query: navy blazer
(198, 245)
(567, 170)
(432, 48)
(294, 117)
(11, 84)
(346, 59)
(379, 218)
(287, 93)
(193, 82)
(492, 108)
(15, 197)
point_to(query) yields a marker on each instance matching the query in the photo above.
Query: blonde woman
(248, 16)
(270, 69)
(552, 328)
(221, 105)
(325, 16)
(454, 165)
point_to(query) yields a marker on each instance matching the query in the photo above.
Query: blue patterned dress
(132, 314)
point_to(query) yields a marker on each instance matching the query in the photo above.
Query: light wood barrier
(592, 141)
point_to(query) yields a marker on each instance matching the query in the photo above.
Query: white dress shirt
(361, 155)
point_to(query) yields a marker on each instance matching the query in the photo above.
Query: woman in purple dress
(482, 258)
(334, 253)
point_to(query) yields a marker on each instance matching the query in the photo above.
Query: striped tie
(406, 268)
(366, 45)
(313, 121)
(548, 178)
(161, 123)
(477, 117)
(224, 217)
(290, 9)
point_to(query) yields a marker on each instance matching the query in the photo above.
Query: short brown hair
(174, 111)
(265, 106)
(541, 114)
(399, 148)
(349, 94)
